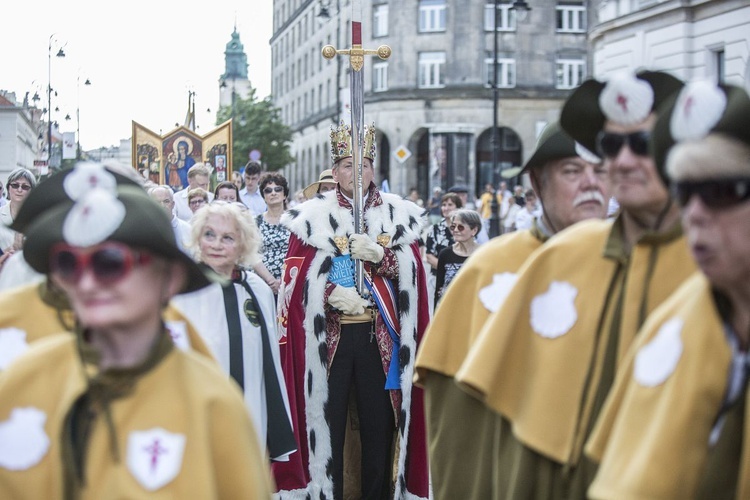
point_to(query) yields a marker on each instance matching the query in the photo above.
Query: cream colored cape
(652, 436)
(535, 375)
(182, 432)
(472, 296)
(26, 318)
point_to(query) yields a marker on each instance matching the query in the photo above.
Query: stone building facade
(432, 101)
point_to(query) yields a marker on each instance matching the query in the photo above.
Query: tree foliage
(257, 125)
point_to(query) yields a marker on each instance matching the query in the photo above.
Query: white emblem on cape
(698, 109)
(178, 331)
(155, 456)
(23, 441)
(626, 100)
(88, 176)
(657, 360)
(494, 294)
(93, 218)
(12, 344)
(553, 313)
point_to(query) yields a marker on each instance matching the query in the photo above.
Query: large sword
(356, 86)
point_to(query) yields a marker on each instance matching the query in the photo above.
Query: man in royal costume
(333, 340)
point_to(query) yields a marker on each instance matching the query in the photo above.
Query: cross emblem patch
(155, 457)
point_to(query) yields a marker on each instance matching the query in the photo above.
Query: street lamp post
(60, 53)
(521, 8)
(78, 114)
(324, 15)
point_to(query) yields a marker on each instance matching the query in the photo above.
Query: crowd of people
(220, 341)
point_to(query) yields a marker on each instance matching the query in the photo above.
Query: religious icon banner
(166, 159)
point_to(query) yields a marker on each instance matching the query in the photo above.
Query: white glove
(347, 300)
(363, 248)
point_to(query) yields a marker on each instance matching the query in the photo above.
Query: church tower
(234, 83)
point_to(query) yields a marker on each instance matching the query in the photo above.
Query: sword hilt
(356, 54)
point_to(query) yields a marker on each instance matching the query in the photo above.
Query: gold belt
(365, 317)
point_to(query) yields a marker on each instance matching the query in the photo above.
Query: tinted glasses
(274, 189)
(714, 193)
(609, 144)
(109, 262)
(19, 185)
(457, 227)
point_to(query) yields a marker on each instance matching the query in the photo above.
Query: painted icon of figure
(178, 165)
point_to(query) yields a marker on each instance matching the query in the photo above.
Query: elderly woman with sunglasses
(464, 226)
(676, 424)
(238, 319)
(20, 183)
(116, 411)
(274, 236)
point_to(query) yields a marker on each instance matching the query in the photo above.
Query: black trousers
(357, 361)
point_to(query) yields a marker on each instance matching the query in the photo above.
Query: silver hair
(246, 226)
(166, 188)
(467, 216)
(19, 173)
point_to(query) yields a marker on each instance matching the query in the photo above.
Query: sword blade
(356, 86)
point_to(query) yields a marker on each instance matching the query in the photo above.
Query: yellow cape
(652, 439)
(23, 308)
(184, 395)
(461, 313)
(538, 380)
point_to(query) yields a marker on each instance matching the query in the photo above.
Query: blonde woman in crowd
(238, 319)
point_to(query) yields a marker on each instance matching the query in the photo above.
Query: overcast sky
(141, 57)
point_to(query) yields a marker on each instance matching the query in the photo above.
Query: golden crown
(341, 142)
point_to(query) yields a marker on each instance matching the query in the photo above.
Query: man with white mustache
(545, 361)
(572, 185)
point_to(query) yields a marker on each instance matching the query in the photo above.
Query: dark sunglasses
(609, 144)
(716, 193)
(275, 189)
(457, 227)
(18, 185)
(109, 262)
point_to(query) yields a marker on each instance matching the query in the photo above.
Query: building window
(506, 72)
(432, 15)
(571, 17)
(380, 76)
(569, 73)
(720, 65)
(380, 20)
(431, 70)
(507, 17)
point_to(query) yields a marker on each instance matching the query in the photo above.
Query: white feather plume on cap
(87, 176)
(626, 99)
(94, 217)
(699, 107)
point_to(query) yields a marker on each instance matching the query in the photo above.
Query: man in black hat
(676, 417)
(573, 185)
(546, 360)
